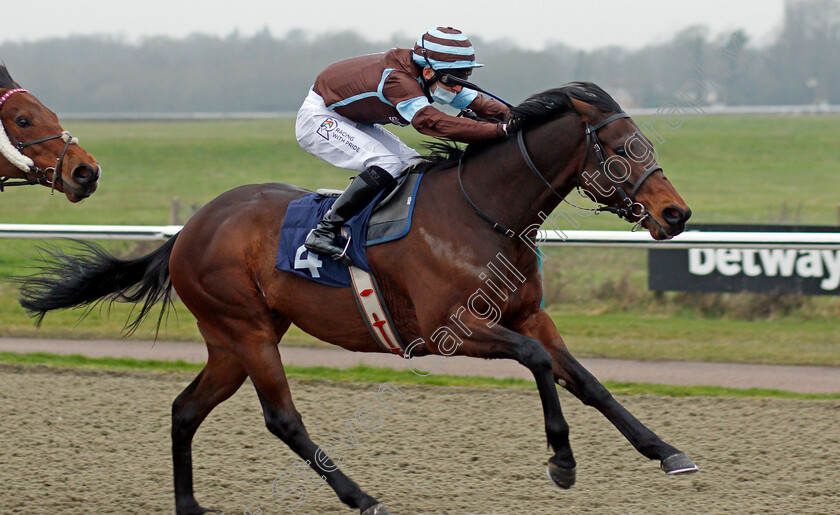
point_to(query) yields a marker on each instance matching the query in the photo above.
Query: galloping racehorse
(36, 150)
(471, 211)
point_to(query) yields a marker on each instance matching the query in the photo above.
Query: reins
(496, 225)
(591, 132)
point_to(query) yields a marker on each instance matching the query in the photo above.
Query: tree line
(200, 73)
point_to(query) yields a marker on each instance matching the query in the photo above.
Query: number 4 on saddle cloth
(387, 218)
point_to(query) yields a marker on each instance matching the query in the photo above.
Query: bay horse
(36, 150)
(221, 265)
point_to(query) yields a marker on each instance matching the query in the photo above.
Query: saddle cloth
(387, 218)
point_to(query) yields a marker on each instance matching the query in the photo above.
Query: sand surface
(76, 441)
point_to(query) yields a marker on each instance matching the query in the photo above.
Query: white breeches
(347, 144)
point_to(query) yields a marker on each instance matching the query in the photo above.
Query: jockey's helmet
(446, 49)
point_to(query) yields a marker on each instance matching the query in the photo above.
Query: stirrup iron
(342, 257)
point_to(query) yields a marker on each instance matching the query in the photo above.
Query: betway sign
(823, 264)
(815, 272)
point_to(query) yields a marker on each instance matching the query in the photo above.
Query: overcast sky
(584, 24)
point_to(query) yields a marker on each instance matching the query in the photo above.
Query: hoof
(377, 509)
(198, 511)
(678, 464)
(562, 477)
(192, 508)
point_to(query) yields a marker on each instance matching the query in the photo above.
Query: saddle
(391, 216)
(388, 218)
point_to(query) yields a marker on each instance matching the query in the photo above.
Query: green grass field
(367, 374)
(729, 169)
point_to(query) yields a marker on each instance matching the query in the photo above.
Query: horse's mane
(550, 104)
(536, 110)
(6, 80)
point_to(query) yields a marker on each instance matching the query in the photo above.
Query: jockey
(340, 119)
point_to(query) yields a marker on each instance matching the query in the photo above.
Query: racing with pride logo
(326, 127)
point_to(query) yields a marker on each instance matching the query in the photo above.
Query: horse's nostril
(83, 174)
(673, 215)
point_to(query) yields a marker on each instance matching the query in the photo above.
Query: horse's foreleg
(570, 374)
(219, 379)
(499, 342)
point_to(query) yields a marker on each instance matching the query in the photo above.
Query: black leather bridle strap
(20, 146)
(496, 225)
(608, 121)
(41, 174)
(591, 132)
(59, 161)
(5, 182)
(531, 166)
(644, 176)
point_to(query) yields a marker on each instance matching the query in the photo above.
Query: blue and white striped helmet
(445, 48)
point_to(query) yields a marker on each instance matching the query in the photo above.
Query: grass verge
(597, 297)
(367, 374)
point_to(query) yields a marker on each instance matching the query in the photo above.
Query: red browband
(9, 93)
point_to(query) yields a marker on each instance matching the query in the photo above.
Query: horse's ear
(6, 81)
(586, 111)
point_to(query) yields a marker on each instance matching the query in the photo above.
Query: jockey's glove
(510, 127)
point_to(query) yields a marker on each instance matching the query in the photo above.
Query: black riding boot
(325, 239)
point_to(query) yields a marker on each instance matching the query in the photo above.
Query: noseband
(592, 140)
(630, 200)
(34, 174)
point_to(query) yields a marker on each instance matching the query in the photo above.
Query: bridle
(627, 212)
(591, 131)
(34, 174)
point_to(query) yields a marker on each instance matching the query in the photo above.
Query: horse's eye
(23, 122)
(621, 152)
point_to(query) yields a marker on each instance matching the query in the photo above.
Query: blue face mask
(442, 95)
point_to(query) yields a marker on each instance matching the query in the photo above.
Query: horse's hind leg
(219, 379)
(569, 373)
(251, 335)
(283, 420)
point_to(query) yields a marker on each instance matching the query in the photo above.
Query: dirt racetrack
(76, 441)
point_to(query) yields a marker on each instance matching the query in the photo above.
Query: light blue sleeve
(464, 98)
(408, 108)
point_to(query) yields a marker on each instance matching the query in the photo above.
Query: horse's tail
(93, 276)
